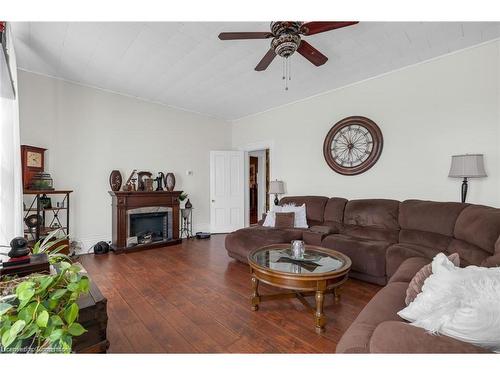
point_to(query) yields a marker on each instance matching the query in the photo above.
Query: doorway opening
(258, 184)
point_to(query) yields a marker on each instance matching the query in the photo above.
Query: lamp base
(276, 200)
(464, 189)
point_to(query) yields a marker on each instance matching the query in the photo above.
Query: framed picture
(45, 202)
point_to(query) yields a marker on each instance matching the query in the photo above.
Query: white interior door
(227, 191)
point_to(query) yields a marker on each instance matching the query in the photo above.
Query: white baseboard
(87, 243)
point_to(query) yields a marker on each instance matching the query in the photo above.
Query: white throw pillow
(270, 219)
(300, 214)
(463, 303)
(300, 220)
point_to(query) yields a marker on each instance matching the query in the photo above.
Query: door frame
(255, 146)
(240, 198)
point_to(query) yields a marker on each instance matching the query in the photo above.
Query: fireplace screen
(149, 224)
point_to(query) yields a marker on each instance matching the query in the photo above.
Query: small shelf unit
(55, 214)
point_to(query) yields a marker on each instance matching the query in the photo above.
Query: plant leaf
(71, 313)
(36, 248)
(9, 336)
(56, 320)
(45, 282)
(55, 335)
(17, 327)
(27, 312)
(58, 294)
(42, 319)
(4, 307)
(30, 330)
(64, 265)
(83, 284)
(76, 329)
(26, 294)
(7, 339)
(58, 249)
(25, 285)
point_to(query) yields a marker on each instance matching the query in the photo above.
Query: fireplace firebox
(149, 224)
(143, 220)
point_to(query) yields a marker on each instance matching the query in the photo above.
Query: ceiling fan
(286, 39)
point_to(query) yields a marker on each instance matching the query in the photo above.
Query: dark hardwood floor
(193, 298)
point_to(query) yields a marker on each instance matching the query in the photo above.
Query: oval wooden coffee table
(323, 271)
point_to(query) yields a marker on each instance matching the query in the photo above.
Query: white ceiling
(184, 64)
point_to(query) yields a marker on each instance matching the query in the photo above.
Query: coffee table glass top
(280, 259)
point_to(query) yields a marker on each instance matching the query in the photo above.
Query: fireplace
(144, 219)
(148, 224)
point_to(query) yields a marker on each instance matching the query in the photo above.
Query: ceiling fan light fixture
(286, 40)
(286, 44)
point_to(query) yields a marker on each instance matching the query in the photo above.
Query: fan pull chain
(283, 65)
(287, 67)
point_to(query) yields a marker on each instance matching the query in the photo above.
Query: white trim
(255, 146)
(87, 243)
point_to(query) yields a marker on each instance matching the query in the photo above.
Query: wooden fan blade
(311, 53)
(266, 60)
(311, 28)
(244, 35)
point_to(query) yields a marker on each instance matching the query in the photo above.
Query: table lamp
(276, 187)
(467, 166)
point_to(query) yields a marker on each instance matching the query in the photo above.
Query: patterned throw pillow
(416, 284)
(284, 220)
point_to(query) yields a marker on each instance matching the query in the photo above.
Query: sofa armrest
(400, 337)
(315, 234)
(492, 261)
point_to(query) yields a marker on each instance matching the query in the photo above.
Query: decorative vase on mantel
(188, 204)
(169, 180)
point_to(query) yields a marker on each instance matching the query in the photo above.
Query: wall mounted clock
(353, 145)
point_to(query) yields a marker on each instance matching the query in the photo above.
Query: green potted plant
(39, 313)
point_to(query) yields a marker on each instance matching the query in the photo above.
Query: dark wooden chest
(94, 317)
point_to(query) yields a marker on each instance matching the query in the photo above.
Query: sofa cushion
(367, 256)
(469, 253)
(399, 337)
(427, 216)
(374, 219)
(371, 233)
(408, 269)
(378, 213)
(242, 241)
(480, 226)
(384, 306)
(334, 210)
(315, 207)
(398, 253)
(423, 238)
(284, 220)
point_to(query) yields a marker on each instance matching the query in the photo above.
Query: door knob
(213, 200)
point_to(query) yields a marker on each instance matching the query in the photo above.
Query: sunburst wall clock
(353, 145)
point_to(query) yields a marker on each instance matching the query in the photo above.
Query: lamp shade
(276, 187)
(469, 165)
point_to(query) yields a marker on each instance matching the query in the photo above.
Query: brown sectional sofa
(387, 240)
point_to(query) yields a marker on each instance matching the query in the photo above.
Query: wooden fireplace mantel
(122, 201)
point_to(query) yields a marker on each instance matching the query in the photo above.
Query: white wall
(89, 132)
(427, 112)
